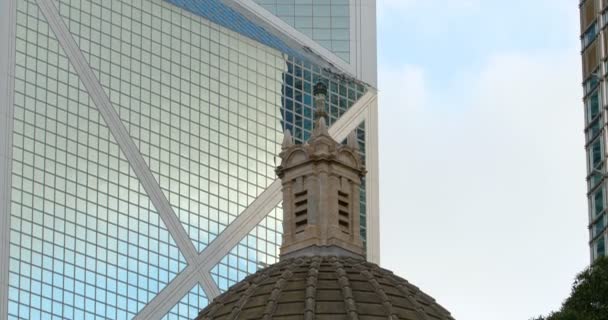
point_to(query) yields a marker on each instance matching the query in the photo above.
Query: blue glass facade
(327, 22)
(594, 20)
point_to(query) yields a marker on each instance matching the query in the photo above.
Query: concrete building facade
(138, 142)
(594, 48)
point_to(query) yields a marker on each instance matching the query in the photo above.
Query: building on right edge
(594, 48)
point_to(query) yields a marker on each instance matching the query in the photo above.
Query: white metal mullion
(372, 183)
(8, 11)
(118, 129)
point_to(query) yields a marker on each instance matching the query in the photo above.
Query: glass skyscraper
(594, 44)
(138, 142)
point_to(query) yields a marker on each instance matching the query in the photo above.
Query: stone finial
(320, 88)
(351, 141)
(319, 93)
(321, 183)
(320, 128)
(287, 139)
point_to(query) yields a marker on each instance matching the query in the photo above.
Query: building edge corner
(366, 44)
(372, 190)
(8, 10)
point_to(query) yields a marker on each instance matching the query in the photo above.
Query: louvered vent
(343, 212)
(301, 210)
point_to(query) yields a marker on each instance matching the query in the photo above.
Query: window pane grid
(85, 240)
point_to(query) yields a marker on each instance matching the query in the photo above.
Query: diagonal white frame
(199, 264)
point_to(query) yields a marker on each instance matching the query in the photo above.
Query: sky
(482, 161)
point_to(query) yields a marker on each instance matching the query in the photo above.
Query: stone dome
(324, 288)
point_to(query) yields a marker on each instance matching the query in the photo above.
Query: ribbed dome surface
(324, 288)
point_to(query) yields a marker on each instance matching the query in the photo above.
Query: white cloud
(483, 193)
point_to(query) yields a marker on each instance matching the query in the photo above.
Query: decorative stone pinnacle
(320, 128)
(287, 140)
(351, 141)
(320, 88)
(321, 183)
(320, 93)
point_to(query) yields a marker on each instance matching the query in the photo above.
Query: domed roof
(324, 288)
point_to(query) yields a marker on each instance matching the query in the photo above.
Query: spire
(321, 183)
(320, 124)
(320, 93)
(351, 141)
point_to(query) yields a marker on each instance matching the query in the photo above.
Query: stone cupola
(322, 273)
(321, 182)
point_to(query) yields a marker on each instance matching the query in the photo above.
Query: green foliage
(589, 297)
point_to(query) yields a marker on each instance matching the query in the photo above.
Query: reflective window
(594, 129)
(600, 247)
(590, 84)
(596, 176)
(259, 249)
(326, 22)
(596, 153)
(598, 202)
(589, 35)
(593, 105)
(598, 227)
(189, 306)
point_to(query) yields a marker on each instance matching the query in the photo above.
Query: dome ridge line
(386, 301)
(271, 305)
(253, 286)
(410, 292)
(431, 302)
(311, 289)
(406, 290)
(347, 293)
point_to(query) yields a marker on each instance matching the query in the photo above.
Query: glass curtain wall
(205, 95)
(326, 22)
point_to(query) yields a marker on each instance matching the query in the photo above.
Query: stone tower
(322, 273)
(321, 181)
